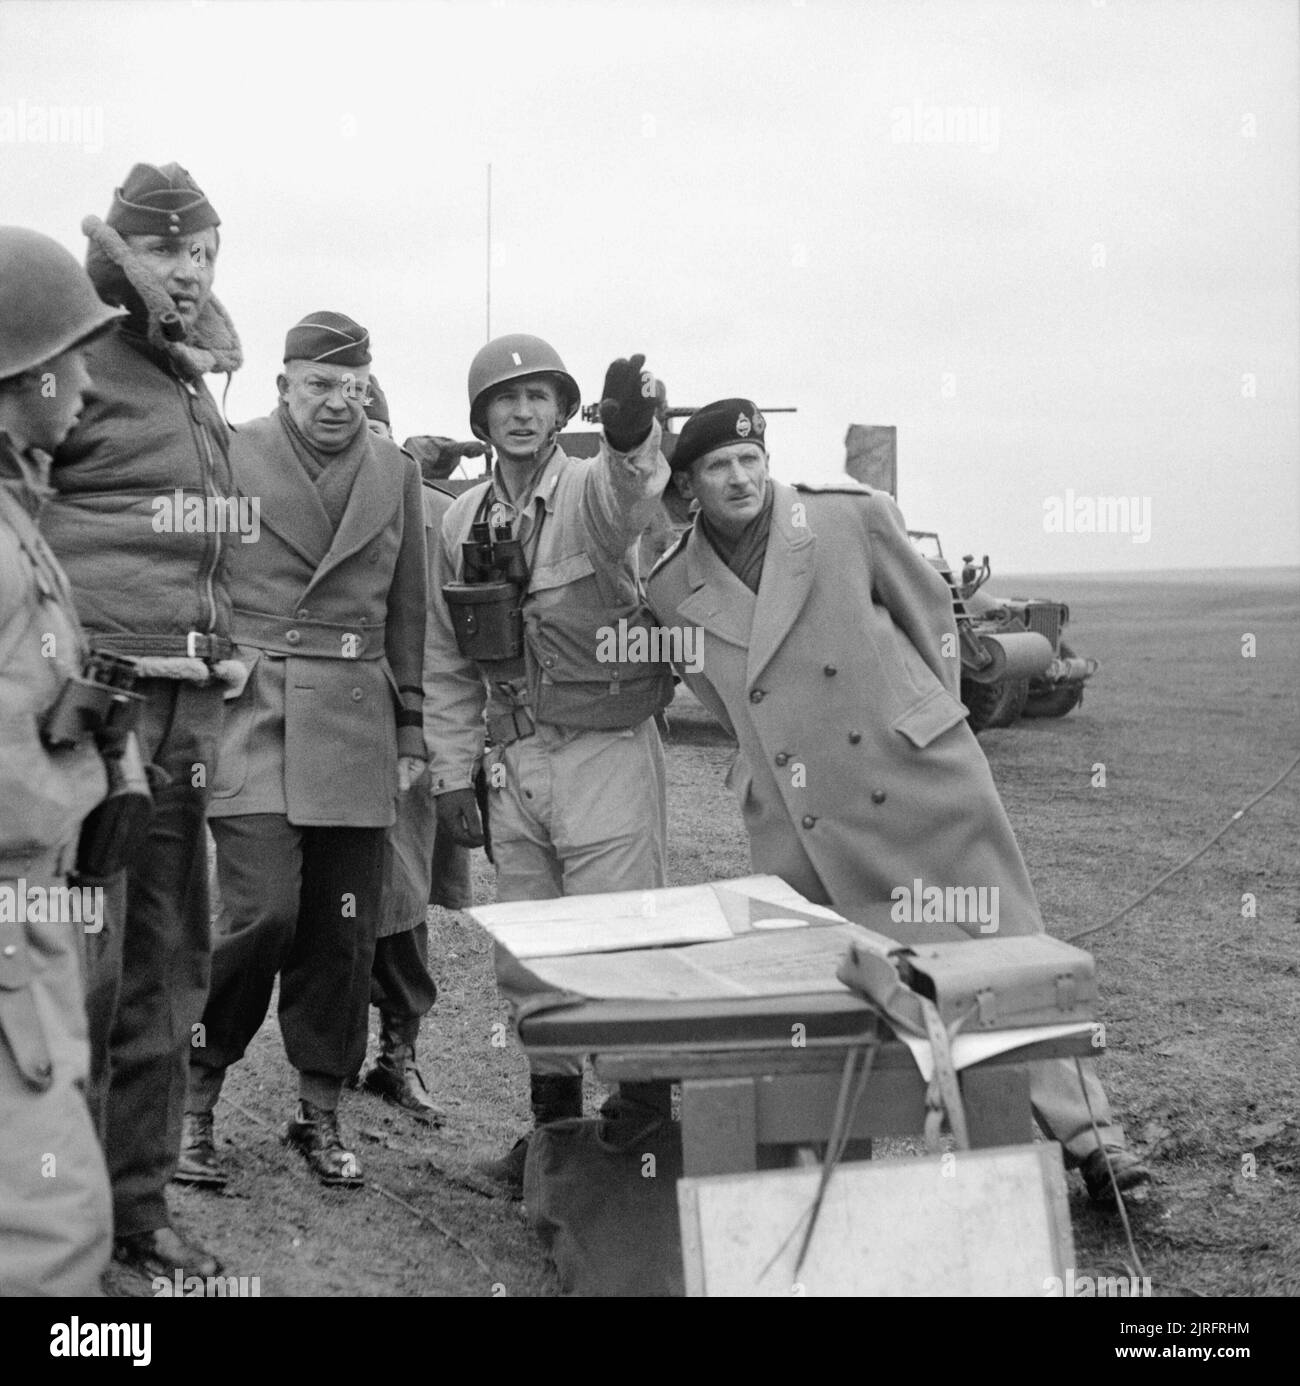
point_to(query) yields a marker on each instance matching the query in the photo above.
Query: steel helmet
(511, 358)
(47, 302)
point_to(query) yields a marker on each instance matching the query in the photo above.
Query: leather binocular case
(487, 608)
(487, 619)
(114, 829)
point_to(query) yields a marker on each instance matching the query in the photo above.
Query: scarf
(332, 473)
(744, 555)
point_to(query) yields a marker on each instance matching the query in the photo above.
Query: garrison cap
(328, 337)
(377, 409)
(160, 201)
(718, 425)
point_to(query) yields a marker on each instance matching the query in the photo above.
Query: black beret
(160, 201)
(330, 337)
(377, 409)
(718, 425)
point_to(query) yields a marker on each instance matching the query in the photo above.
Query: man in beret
(329, 617)
(150, 582)
(830, 652)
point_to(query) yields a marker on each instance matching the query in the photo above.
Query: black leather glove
(627, 403)
(458, 817)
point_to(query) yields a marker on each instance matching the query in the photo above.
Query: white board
(980, 1222)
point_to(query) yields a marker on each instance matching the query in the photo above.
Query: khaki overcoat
(857, 773)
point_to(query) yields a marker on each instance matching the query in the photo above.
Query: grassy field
(1199, 985)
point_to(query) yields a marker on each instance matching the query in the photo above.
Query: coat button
(357, 695)
(374, 557)
(757, 696)
(302, 614)
(293, 637)
(877, 796)
(830, 671)
(808, 820)
(854, 738)
(9, 950)
(782, 758)
(549, 661)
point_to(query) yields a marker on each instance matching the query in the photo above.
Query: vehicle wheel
(994, 704)
(1055, 702)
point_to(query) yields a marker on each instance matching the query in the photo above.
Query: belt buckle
(192, 644)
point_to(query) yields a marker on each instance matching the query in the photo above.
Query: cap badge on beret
(718, 425)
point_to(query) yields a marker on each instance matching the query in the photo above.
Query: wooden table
(759, 1076)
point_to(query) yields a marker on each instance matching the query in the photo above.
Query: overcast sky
(1054, 242)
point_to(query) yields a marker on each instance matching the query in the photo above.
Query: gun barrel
(681, 412)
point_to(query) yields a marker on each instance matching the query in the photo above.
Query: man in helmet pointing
(535, 563)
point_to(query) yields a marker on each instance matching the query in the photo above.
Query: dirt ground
(1200, 996)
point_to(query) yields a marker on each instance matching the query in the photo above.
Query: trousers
(578, 813)
(148, 967)
(303, 903)
(401, 987)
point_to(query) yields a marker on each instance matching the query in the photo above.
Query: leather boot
(553, 1097)
(395, 1077)
(198, 1163)
(314, 1133)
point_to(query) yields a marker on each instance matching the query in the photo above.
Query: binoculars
(487, 607)
(101, 703)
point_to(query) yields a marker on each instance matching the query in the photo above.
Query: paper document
(630, 919)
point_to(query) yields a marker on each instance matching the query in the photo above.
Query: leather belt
(505, 728)
(195, 645)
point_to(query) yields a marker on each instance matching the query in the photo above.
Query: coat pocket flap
(21, 1027)
(15, 963)
(935, 714)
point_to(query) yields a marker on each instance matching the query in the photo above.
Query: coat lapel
(718, 601)
(265, 465)
(785, 584)
(375, 494)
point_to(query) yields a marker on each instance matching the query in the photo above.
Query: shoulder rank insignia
(844, 485)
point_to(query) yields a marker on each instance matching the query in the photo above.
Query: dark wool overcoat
(331, 625)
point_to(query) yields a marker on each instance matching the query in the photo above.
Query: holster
(483, 797)
(114, 830)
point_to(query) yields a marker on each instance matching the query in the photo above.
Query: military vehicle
(1013, 661)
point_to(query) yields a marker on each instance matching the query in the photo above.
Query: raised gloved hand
(458, 817)
(627, 403)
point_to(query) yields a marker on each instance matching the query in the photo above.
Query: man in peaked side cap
(826, 640)
(150, 583)
(328, 613)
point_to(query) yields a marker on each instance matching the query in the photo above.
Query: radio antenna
(489, 253)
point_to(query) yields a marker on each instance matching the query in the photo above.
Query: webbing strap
(943, 1094)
